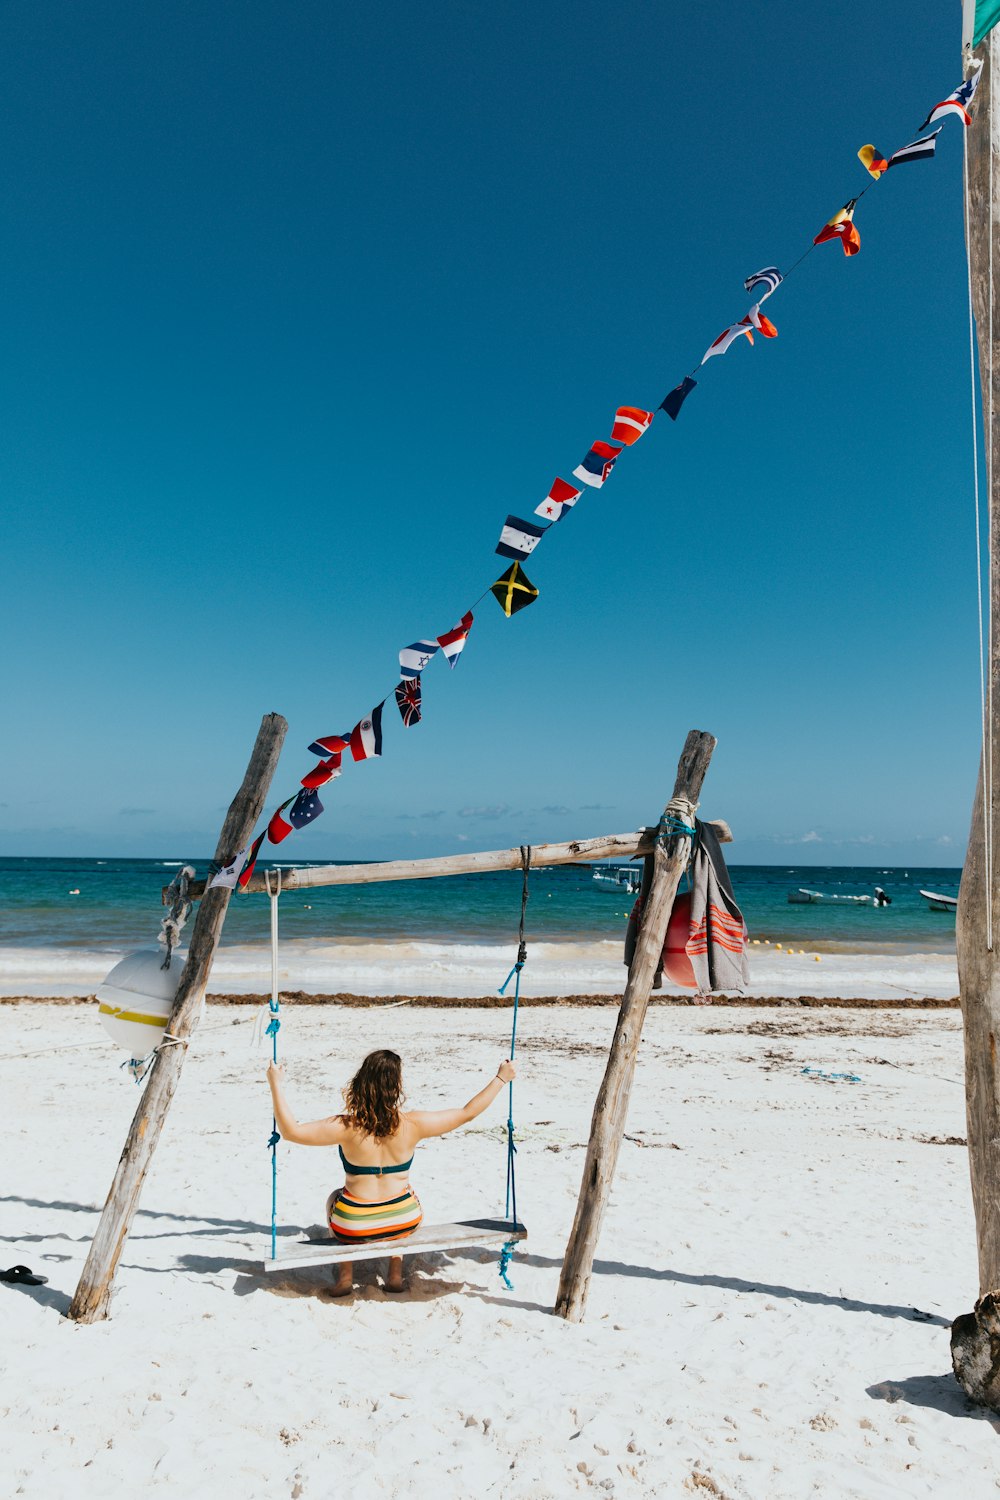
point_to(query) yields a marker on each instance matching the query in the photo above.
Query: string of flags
(519, 537)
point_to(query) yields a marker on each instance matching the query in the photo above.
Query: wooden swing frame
(671, 852)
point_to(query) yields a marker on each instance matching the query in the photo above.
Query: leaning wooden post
(671, 856)
(93, 1294)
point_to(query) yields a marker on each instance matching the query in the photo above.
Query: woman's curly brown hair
(374, 1094)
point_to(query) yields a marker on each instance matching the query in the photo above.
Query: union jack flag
(408, 701)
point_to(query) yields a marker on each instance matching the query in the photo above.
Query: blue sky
(300, 301)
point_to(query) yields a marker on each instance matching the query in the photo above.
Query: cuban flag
(452, 643)
(408, 701)
(327, 770)
(518, 538)
(330, 744)
(597, 465)
(764, 281)
(414, 658)
(366, 736)
(229, 874)
(279, 827)
(630, 424)
(957, 103)
(919, 150)
(306, 808)
(561, 498)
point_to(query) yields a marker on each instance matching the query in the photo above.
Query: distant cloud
(463, 838)
(555, 809)
(945, 838)
(136, 812)
(598, 807)
(812, 837)
(438, 813)
(500, 811)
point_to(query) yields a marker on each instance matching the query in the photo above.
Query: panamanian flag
(597, 465)
(330, 744)
(453, 641)
(366, 736)
(561, 498)
(414, 658)
(519, 538)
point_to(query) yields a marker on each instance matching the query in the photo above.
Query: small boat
(621, 878)
(801, 896)
(937, 902)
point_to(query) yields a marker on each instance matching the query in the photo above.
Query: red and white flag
(630, 424)
(728, 337)
(452, 643)
(561, 498)
(327, 770)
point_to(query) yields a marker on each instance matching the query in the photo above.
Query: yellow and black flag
(514, 590)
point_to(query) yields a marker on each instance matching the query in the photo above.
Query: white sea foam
(410, 967)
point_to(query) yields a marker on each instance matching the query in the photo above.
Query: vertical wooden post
(611, 1108)
(93, 1294)
(978, 965)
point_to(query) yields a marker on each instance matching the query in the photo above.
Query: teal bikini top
(403, 1166)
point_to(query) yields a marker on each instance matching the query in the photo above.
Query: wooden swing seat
(488, 1233)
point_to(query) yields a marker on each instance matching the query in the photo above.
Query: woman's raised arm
(430, 1122)
(312, 1133)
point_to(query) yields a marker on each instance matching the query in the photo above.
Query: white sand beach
(768, 1318)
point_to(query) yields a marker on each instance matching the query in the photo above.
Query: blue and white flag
(766, 281)
(414, 658)
(518, 538)
(919, 150)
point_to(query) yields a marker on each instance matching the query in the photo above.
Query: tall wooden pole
(978, 964)
(975, 1336)
(611, 1108)
(92, 1296)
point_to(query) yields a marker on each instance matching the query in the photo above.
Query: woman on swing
(376, 1139)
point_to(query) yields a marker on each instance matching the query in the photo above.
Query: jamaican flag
(513, 590)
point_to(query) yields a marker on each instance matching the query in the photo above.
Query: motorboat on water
(625, 879)
(802, 896)
(937, 902)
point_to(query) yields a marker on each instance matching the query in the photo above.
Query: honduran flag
(327, 770)
(366, 736)
(561, 498)
(958, 103)
(414, 658)
(919, 150)
(330, 744)
(518, 538)
(597, 465)
(306, 808)
(630, 424)
(452, 643)
(841, 227)
(279, 827)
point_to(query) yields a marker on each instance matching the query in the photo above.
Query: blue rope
(274, 1026)
(671, 826)
(510, 1200)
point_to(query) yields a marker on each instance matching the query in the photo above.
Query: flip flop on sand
(22, 1276)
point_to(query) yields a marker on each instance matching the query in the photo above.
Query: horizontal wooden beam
(611, 846)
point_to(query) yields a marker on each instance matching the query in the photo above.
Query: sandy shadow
(246, 1226)
(45, 1296)
(938, 1392)
(738, 1284)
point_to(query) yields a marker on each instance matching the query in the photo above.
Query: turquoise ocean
(113, 904)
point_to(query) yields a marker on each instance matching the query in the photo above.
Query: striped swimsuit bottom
(353, 1221)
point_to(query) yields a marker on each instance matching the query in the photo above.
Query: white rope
(984, 722)
(989, 521)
